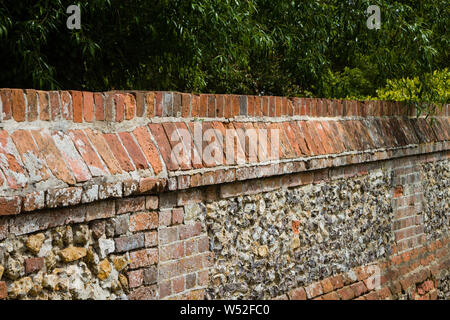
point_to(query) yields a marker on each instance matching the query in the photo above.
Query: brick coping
(30, 105)
(48, 161)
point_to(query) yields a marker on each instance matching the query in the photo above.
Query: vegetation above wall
(292, 48)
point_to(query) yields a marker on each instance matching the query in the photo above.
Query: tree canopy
(297, 48)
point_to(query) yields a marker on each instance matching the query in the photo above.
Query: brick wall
(93, 206)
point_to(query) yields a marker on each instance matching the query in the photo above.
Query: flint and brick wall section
(93, 206)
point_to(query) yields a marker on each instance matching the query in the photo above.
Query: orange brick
(77, 106)
(151, 153)
(327, 285)
(143, 221)
(133, 150)
(88, 106)
(119, 152)
(18, 104)
(55, 161)
(297, 294)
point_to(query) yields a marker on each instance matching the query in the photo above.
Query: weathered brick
(143, 258)
(99, 210)
(314, 290)
(178, 285)
(134, 204)
(135, 278)
(151, 239)
(147, 146)
(297, 294)
(10, 205)
(359, 288)
(151, 202)
(119, 152)
(143, 221)
(128, 243)
(167, 235)
(150, 275)
(165, 217)
(189, 230)
(18, 104)
(177, 215)
(3, 290)
(144, 293)
(346, 293)
(165, 289)
(331, 296)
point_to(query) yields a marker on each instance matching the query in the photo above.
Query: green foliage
(315, 48)
(425, 93)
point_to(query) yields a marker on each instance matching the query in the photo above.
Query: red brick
(177, 215)
(26, 146)
(135, 278)
(211, 106)
(98, 106)
(346, 293)
(300, 139)
(33, 264)
(163, 145)
(314, 290)
(5, 96)
(165, 289)
(133, 150)
(31, 112)
(71, 156)
(384, 293)
(297, 294)
(151, 153)
(331, 296)
(101, 146)
(143, 221)
(234, 105)
(185, 105)
(10, 205)
(290, 133)
(178, 285)
(88, 154)
(130, 106)
(311, 141)
(144, 293)
(172, 251)
(55, 160)
(119, 101)
(148, 184)
(3, 290)
(150, 104)
(34, 201)
(18, 104)
(134, 204)
(151, 239)
(77, 106)
(189, 230)
(327, 285)
(195, 106)
(151, 202)
(143, 258)
(203, 110)
(119, 152)
(359, 288)
(88, 106)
